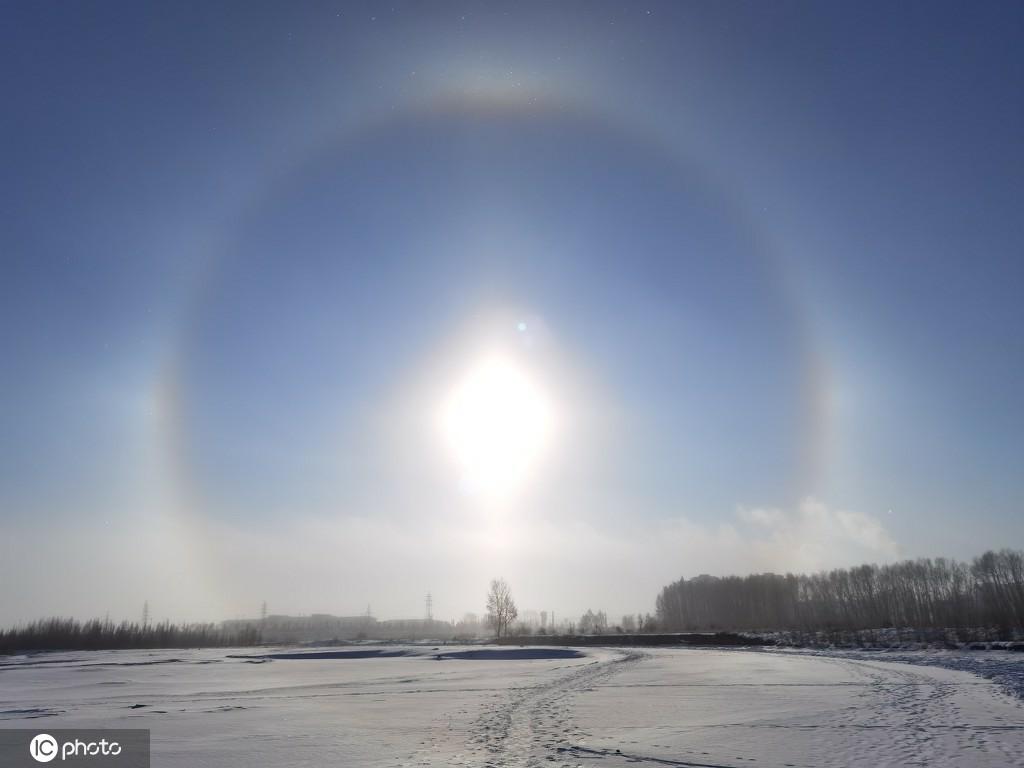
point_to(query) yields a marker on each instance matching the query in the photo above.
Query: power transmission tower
(430, 607)
(145, 614)
(263, 612)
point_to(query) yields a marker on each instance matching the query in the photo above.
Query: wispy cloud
(814, 536)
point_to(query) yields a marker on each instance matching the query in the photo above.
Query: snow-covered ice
(598, 707)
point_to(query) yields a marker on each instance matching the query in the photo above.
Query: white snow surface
(604, 708)
(1003, 667)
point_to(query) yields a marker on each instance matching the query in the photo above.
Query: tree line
(922, 594)
(98, 634)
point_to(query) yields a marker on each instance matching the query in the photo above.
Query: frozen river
(601, 708)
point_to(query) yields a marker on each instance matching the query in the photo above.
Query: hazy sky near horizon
(761, 262)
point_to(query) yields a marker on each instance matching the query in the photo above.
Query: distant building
(414, 629)
(323, 627)
(318, 627)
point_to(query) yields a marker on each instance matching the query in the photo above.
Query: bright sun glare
(497, 422)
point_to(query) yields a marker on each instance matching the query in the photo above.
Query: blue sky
(768, 257)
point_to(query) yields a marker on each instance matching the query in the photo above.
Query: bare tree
(501, 608)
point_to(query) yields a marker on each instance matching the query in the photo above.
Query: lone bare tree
(501, 608)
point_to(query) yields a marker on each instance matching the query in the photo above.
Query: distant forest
(72, 635)
(921, 594)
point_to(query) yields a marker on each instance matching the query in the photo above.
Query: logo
(124, 747)
(43, 748)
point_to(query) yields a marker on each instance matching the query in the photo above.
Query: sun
(497, 422)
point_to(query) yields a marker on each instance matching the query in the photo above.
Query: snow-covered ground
(1003, 667)
(596, 707)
